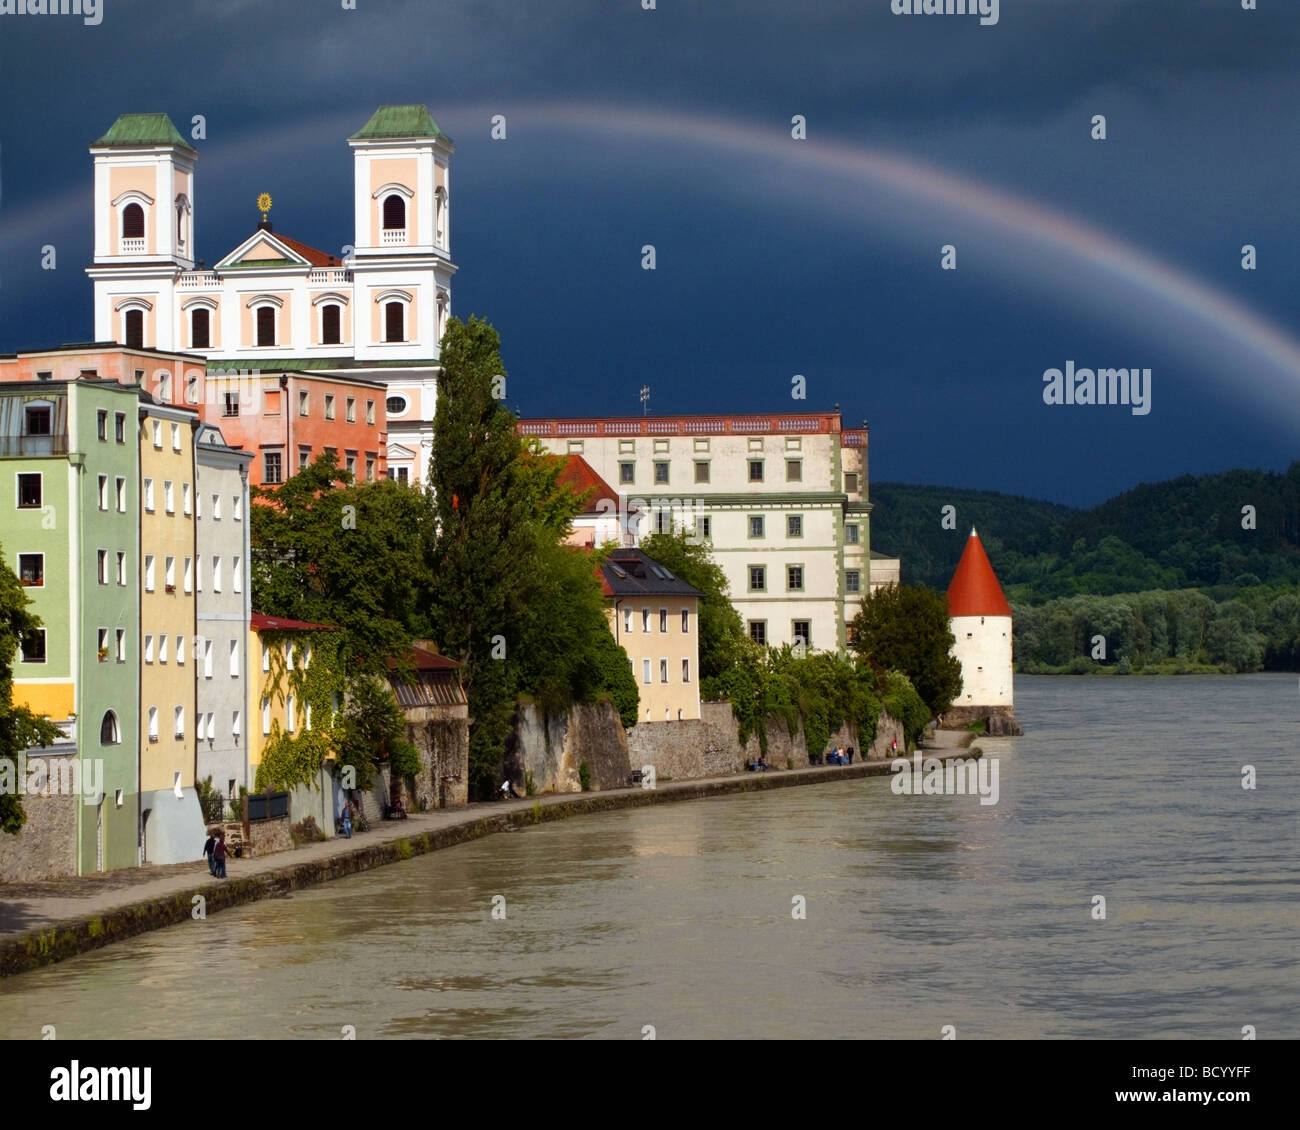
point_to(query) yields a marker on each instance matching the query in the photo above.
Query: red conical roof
(975, 590)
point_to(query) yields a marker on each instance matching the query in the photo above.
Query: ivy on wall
(297, 758)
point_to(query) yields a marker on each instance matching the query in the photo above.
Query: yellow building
(172, 827)
(655, 616)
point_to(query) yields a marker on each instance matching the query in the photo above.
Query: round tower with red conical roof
(981, 626)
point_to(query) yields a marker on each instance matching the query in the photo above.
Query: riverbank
(41, 923)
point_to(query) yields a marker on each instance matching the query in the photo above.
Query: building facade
(376, 311)
(781, 500)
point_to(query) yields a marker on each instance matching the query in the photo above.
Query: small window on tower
(200, 329)
(394, 212)
(134, 325)
(393, 322)
(330, 333)
(133, 222)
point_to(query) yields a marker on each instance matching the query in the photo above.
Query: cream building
(780, 499)
(655, 618)
(377, 309)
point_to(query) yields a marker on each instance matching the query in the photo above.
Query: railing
(330, 275)
(392, 235)
(33, 445)
(198, 280)
(853, 437)
(816, 423)
(132, 245)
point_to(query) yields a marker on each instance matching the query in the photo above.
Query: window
(394, 212)
(216, 508)
(103, 492)
(329, 407)
(234, 724)
(153, 723)
(266, 325)
(306, 717)
(169, 497)
(350, 410)
(191, 389)
(266, 658)
(663, 619)
(370, 411)
(207, 659)
(121, 568)
(663, 521)
(266, 715)
(395, 405)
(701, 471)
(370, 468)
(234, 659)
(626, 472)
(794, 525)
(686, 621)
(394, 319)
(627, 620)
(304, 458)
(176, 436)
(801, 630)
(189, 574)
(216, 573)
(109, 734)
(350, 462)
(148, 647)
(794, 578)
(120, 639)
(398, 474)
(330, 325)
(162, 647)
(756, 525)
(794, 470)
(757, 578)
(33, 646)
(133, 222)
(101, 424)
(271, 403)
(148, 495)
(134, 326)
(663, 670)
(645, 619)
(29, 491)
(686, 670)
(291, 713)
(200, 329)
(236, 576)
(186, 503)
(852, 580)
(271, 467)
(38, 421)
(851, 533)
(180, 650)
(157, 434)
(230, 404)
(101, 566)
(101, 643)
(148, 572)
(198, 574)
(755, 470)
(645, 671)
(31, 569)
(304, 402)
(169, 573)
(661, 472)
(758, 632)
(119, 427)
(850, 482)
(121, 495)
(706, 528)
(178, 722)
(237, 507)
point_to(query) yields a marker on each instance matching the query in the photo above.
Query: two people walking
(214, 850)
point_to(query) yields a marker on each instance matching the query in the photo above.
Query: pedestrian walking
(347, 821)
(219, 855)
(207, 853)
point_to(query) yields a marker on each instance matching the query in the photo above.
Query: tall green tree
(906, 628)
(20, 728)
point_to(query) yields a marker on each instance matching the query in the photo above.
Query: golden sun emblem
(264, 203)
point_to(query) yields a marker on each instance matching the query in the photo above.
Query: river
(921, 911)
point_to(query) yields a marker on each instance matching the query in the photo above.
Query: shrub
(584, 776)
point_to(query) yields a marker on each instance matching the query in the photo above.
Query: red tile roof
(260, 622)
(975, 590)
(314, 257)
(424, 660)
(578, 475)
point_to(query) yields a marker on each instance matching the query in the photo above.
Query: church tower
(981, 625)
(144, 228)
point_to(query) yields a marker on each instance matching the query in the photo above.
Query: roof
(577, 474)
(975, 590)
(436, 682)
(312, 255)
(422, 659)
(630, 572)
(399, 121)
(261, 622)
(144, 129)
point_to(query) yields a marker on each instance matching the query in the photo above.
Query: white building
(981, 625)
(375, 310)
(781, 500)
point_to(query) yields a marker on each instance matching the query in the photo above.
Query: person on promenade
(347, 820)
(849, 753)
(219, 855)
(207, 853)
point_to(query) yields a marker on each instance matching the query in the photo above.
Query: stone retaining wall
(46, 848)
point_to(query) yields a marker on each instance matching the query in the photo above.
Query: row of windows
(273, 463)
(646, 667)
(193, 574)
(757, 526)
(271, 406)
(800, 632)
(266, 325)
(794, 579)
(203, 653)
(703, 473)
(30, 495)
(663, 620)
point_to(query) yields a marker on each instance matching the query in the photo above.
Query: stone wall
(552, 748)
(441, 735)
(46, 848)
(1001, 720)
(267, 836)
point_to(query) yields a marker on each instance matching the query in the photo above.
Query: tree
(723, 641)
(20, 728)
(372, 731)
(906, 628)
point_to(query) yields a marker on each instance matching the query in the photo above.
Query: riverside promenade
(48, 921)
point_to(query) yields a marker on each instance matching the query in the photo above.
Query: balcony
(198, 280)
(132, 246)
(392, 236)
(16, 446)
(330, 275)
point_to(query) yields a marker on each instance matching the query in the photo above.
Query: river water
(921, 911)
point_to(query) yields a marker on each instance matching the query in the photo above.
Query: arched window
(134, 323)
(394, 212)
(109, 734)
(330, 325)
(133, 222)
(266, 325)
(200, 329)
(440, 198)
(394, 318)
